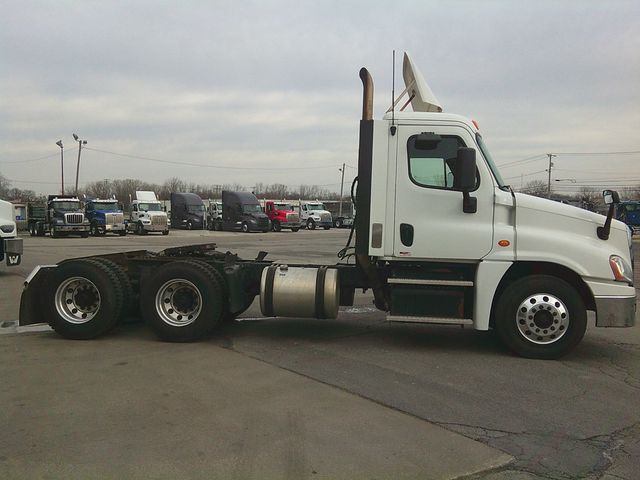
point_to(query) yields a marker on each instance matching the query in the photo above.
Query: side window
(431, 159)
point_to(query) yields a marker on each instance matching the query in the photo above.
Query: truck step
(437, 320)
(420, 281)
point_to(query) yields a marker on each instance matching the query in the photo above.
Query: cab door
(429, 219)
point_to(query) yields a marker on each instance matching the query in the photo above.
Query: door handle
(406, 234)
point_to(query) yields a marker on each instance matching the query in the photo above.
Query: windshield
(66, 205)
(195, 208)
(315, 206)
(251, 208)
(107, 207)
(150, 207)
(492, 165)
(283, 206)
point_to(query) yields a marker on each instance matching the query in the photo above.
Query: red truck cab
(282, 215)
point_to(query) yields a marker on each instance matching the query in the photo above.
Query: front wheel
(311, 224)
(295, 229)
(245, 227)
(165, 232)
(275, 226)
(189, 225)
(339, 223)
(327, 227)
(540, 316)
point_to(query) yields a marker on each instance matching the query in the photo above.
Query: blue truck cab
(629, 213)
(105, 216)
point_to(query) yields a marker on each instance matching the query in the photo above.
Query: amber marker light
(504, 243)
(475, 124)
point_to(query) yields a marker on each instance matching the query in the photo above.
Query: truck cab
(282, 215)
(214, 215)
(105, 215)
(314, 214)
(10, 244)
(187, 211)
(147, 214)
(242, 211)
(629, 213)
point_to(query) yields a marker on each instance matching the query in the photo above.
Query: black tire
(245, 227)
(165, 232)
(202, 297)
(311, 224)
(32, 230)
(84, 234)
(122, 232)
(540, 316)
(78, 281)
(189, 225)
(339, 223)
(275, 226)
(124, 282)
(54, 233)
(93, 229)
(295, 229)
(219, 226)
(40, 230)
(327, 227)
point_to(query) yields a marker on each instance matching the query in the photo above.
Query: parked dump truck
(187, 211)
(61, 215)
(282, 215)
(10, 244)
(147, 215)
(105, 215)
(439, 239)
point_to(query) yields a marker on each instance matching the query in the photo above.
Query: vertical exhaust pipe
(363, 194)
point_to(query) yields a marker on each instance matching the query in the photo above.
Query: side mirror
(464, 178)
(611, 197)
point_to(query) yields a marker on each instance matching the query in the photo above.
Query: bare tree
(537, 188)
(588, 198)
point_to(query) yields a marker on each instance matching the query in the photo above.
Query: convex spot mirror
(611, 197)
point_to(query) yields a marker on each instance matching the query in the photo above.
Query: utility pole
(59, 143)
(80, 143)
(550, 155)
(342, 187)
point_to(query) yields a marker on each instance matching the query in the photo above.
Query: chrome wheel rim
(77, 300)
(542, 318)
(178, 302)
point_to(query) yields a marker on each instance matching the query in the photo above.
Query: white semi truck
(10, 243)
(147, 214)
(313, 214)
(439, 239)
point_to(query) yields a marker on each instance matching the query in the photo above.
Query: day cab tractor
(439, 239)
(282, 215)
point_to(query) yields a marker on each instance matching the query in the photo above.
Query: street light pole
(80, 143)
(59, 143)
(550, 155)
(341, 188)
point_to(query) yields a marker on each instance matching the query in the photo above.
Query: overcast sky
(274, 85)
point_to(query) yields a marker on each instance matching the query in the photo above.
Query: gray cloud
(274, 84)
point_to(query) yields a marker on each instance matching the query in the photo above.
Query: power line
(633, 152)
(203, 165)
(31, 159)
(522, 161)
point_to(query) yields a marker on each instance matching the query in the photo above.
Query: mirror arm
(603, 232)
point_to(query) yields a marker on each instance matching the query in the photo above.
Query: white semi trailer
(439, 238)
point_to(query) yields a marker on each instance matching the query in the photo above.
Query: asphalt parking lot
(284, 398)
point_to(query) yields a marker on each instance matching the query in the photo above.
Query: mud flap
(32, 297)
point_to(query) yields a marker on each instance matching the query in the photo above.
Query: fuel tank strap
(268, 295)
(320, 279)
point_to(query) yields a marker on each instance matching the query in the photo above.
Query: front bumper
(616, 311)
(71, 228)
(113, 227)
(290, 224)
(154, 228)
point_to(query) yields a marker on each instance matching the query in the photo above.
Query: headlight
(58, 221)
(7, 228)
(621, 271)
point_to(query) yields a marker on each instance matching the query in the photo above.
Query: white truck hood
(549, 231)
